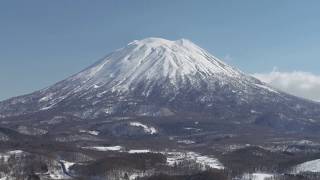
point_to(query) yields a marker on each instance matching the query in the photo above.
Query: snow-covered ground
(147, 129)
(105, 148)
(95, 133)
(205, 161)
(173, 158)
(59, 170)
(5, 156)
(132, 174)
(6, 178)
(55, 172)
(58, 174)
(67, 165)
(15, 152)
(309, 166)
(257, 176)
(186, 142)
(31, 131)
(136, 151)
(135, 175)
(267, 88)
(3, 137)
(192, 128)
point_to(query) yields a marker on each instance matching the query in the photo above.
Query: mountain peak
(160, 42)
(155, 61)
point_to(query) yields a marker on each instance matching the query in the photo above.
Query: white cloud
(303, 84)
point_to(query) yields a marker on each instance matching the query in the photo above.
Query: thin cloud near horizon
(298, 83)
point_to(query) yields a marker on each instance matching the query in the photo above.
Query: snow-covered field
(59, 170)
(137, 151)
(58, 174)
(309, 166)
(186, 142)
(5, 176)
(5, 156)
(147, 129)
(67, 165)
(105, 148)
(257, 176)
(205, 161)
(173, 158)
(94, 133)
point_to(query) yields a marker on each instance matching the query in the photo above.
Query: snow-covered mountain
(158, 77)
(153, 62)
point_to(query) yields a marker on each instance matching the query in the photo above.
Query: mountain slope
(158, 77)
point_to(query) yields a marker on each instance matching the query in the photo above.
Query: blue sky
(44, 41)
